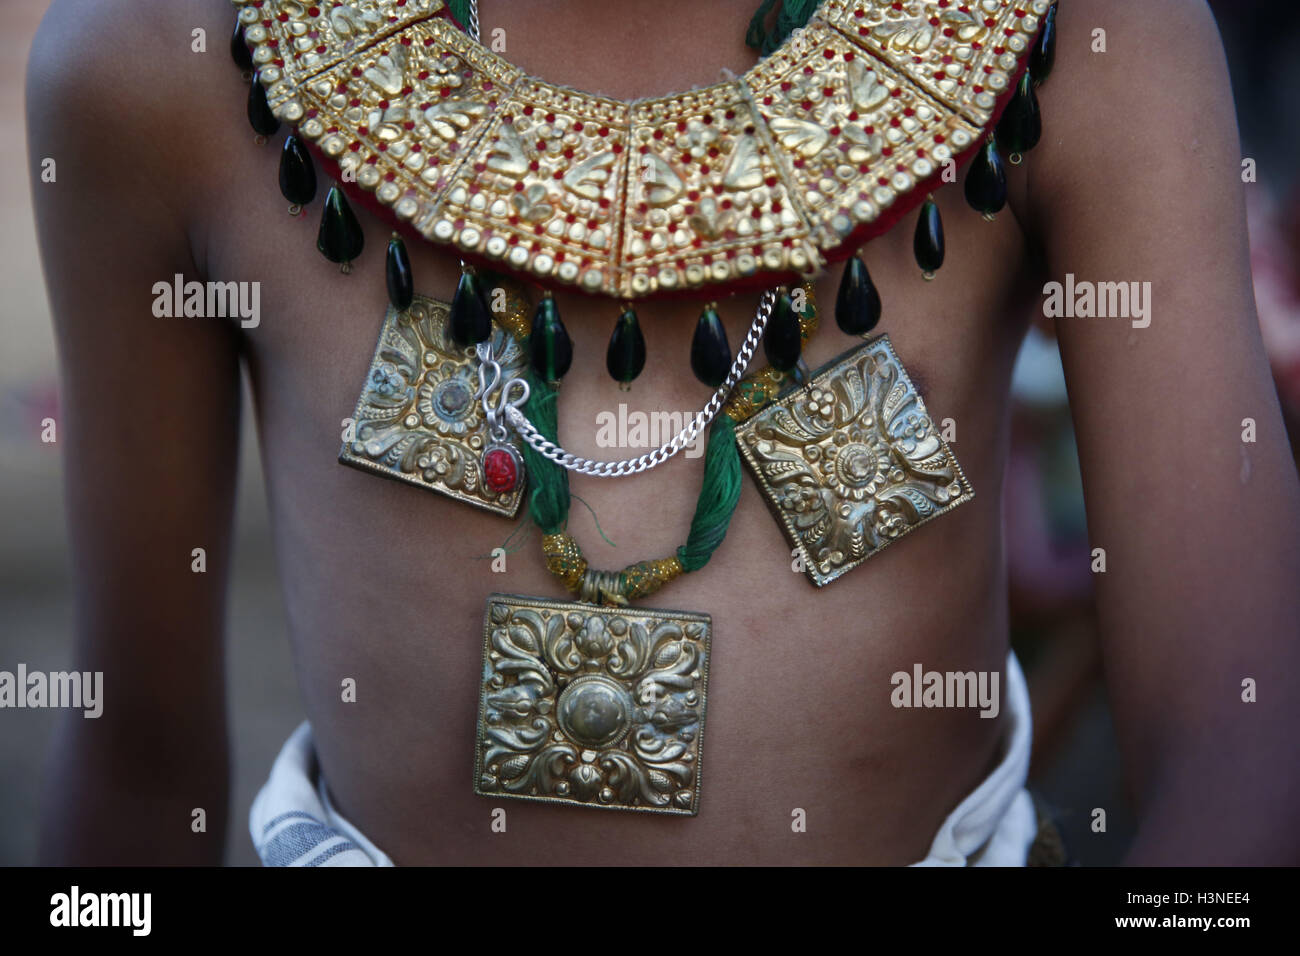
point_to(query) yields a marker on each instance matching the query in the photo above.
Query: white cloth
(293, 822)
(996, 824)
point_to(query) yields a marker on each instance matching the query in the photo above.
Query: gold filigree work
(592, 706)
(565, 560)
(852, 462)
(417, 420)
(767, 173)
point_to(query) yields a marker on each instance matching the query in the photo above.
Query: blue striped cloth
(292, 821)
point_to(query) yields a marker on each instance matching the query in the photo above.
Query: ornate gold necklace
(825, 142)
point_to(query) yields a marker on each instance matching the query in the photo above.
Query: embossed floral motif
(446, 399)
(856, 463)
(698, 138)
(852, 462)
(386, 382)
(533, 203)
(710, 219)
(448, 69)
(594, 639)
(417, 419)
(580, 705)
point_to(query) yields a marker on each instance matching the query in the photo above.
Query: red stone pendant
(503, 468)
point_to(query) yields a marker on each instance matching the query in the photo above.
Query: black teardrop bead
(1043, 56)
(710, 353)
(1021, 125)
(239, 51)
(857, 304)
(297, 174)
(782, 341)
(986, 180)
(549, 344)
(470, 320)
(927, 244)
(260, 116)
(401, 287)
(340, 238)
(625, 357)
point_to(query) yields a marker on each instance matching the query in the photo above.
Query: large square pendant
(416, 419)
(852, 461)
(593, 706)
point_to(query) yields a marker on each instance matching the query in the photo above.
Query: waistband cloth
(293, 823)
(996, 824)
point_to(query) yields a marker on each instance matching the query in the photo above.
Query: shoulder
(120, 43)
(1139, 100)
(119, 96)
(120, 73)
(1119, 64)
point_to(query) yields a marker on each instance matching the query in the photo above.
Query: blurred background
(1075, 763)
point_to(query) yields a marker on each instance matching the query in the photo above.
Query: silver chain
(632, 466)
(622, 466)
(473, 20)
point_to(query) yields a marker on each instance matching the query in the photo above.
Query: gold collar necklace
(767, 176)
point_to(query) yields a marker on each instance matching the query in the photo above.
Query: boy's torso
(385, 584)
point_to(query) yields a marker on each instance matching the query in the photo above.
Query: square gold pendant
(417, 419)
(852, 461)
(592, 706)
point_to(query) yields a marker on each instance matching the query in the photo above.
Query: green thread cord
(719, 495)
(596, 521)
(460, 11)
(792, 15)
(521, 531)
(548, 501)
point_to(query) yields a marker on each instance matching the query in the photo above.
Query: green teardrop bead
(710, 353)
(470, 322)
(986, 180)
(1043, 56)
(549, 344)
(782, 341)
(927, 244)
(260, 116)
(340, 238)
(857, 304)
(1021, 125)
(239, 51)
(401, 286)
(625, 357)
(297, 174)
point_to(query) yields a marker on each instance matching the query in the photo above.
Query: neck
(626, 50)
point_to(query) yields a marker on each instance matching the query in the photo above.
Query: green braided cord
(719, 495)
(756, 35)
(548, 502)
(792, 15)
(460, 11)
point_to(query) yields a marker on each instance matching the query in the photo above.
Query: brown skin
(1136, 179)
